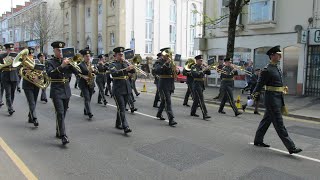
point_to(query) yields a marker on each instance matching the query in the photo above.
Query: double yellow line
(17, 161)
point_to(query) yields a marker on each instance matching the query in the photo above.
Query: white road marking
(297, 155)
(136, 112)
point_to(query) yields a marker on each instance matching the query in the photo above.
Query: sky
(5, 5)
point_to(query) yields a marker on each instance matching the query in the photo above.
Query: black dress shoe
(127, 109)
(186, 105)
(105, 102)
(64, 140)
(127, 130)
(138, 94)
(30, 120)
(35, 122)
(99, 102)
(261, 144)
(221, 112)
(155, 106)
(90, 115)
(237, 114)
(133, 110)
(161, 118)
(134, 100)
(256, 112)
(172, 123)
(244, 107)
(206, 117)
(118, 127)
(217, 97)
(106, 94)
(11, 112)
(1, 104)
(295, 151)
(195, 115)
(19, 90)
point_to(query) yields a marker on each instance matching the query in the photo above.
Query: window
(99, 9)
(261, 11)
(112, 4)
(67, 15)
(149, 27)
(225, 15)
(112, 40)
(173, 24)
(88, 12)
(192, 29)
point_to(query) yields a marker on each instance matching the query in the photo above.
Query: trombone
(241, 68)
(214, 67)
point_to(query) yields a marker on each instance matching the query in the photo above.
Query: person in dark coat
(42, 58)
(121, 88)
(156, 80)
(165, 69)
(227, 84)
(108, 75)
(198, 72)
(60, 70)
(189, 82)
(101, 79)
(271, 78)
(9, 77)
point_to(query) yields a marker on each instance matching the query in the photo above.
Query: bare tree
(235, 8)
(43, 24)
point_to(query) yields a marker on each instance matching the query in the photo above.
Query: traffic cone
(144, 88)
(238, 104)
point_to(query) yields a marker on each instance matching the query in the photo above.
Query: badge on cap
(11, 45)
(60, 44)
(88, 52)
(121, 49)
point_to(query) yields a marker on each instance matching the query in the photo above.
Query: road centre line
(17, 161)
(297, 155)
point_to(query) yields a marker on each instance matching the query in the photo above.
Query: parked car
(181, 78)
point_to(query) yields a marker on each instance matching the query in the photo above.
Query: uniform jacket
(197, 72)
(55, 71)
(162, 68)
(229, 75)
(189, 76)
(156, 78)
(271, 75)
(101, 69)
(8, 75)
(120, 86)
(84, 71)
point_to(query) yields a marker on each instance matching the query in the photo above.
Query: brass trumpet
(75, 61)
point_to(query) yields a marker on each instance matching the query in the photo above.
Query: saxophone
(91, 75)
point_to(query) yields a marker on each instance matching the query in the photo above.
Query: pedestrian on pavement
(253, 83)
(121, 88)
(60, 70)
(86, 81)
(198, 72)
(271, 77)
(9, 76)
(187, 72)
(156, 80)
(42, 58)
(101, 79)
(227, 85)
(166, 69)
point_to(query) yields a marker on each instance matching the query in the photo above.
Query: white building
(143, 25)
(267, 23)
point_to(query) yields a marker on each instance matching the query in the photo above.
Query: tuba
(34, 73)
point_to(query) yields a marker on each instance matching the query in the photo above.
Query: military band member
(227, 84)
(108, 75)
(271, 77)
(198, 72)
(121, 87)
(31, 91)
(60, 70)
(101, 78)
(42, 59)
(9, 78)
(1, 86)
(156, 80)
(165, 69)
(189, 84)
(86, 81)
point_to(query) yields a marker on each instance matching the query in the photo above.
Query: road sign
(303, 36)
(314, 37)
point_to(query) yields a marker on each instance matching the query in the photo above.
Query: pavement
(303, 107)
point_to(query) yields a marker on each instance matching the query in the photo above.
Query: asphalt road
(195, 149)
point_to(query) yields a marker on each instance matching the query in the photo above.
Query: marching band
(57, 71)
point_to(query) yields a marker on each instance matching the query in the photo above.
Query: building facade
(34, 24)
(267, 23)
(143, 25)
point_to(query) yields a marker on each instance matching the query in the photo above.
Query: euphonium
(7, 61)
(168, 53)
(189, 64)
(36, 76)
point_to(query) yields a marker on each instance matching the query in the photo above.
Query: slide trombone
(241, 68)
